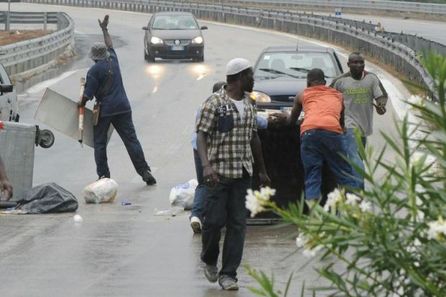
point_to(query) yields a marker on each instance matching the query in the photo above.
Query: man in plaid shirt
(228, 144)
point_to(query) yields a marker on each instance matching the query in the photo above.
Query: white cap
(237, 65)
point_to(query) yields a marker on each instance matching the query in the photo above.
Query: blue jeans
(123, 124)
(352, 154)
(319, 146)
(197, 206)
(224, 205)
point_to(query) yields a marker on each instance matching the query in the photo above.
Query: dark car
(280, 73)
(173, 35)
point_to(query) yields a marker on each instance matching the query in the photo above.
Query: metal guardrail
(400, 6)
(26, 55)
(348, 33)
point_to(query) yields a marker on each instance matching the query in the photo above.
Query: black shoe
(103, 176)
(148, 178)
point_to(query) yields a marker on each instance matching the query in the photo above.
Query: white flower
(256, 201)
(310, 253)
(267, 192)
(352, 199)
(333, 199)
(301, 240)
(437, 229)
(365, 206)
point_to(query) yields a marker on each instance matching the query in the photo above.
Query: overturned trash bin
(17, 142)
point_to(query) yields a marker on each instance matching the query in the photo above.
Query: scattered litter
(47, 198)
(125, 203)
(182, 195)
(169, 212)
(78, 219)
(101, 191)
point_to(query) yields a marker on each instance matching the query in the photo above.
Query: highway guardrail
(27, 55)
(354, 35)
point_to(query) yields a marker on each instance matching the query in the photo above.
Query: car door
(8, 100)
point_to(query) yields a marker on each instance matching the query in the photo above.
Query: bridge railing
(26, 55)
(355, 35)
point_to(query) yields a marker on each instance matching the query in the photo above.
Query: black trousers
(224, 205)
(123, 124)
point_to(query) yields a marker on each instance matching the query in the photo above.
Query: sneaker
(228, 283)
(148, 178)
(195, 224)
(211, 273)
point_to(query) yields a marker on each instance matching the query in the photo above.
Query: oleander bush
(390, 239)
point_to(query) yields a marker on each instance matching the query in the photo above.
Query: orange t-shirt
(322, 106)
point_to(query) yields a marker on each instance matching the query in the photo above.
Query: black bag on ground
(48, 198)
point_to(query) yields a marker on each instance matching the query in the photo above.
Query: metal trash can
(17, 142)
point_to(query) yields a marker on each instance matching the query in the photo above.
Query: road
(127, 250)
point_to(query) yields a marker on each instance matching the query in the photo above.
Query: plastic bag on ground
(101, 191)
(47, 198)
(183, 194)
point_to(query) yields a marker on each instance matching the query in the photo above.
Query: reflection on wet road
(125, 250)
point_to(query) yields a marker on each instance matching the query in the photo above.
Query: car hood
(280, 89)
(176, 34)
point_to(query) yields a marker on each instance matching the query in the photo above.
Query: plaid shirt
(228, 136)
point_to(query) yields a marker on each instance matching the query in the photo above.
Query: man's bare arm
(256, 148)
(295, 112)
(107, 39)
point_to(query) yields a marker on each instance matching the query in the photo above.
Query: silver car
(173, 35)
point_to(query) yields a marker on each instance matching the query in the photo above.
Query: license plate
(177, 47)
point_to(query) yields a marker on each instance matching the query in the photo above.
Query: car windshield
(174, 22)
(293, 64)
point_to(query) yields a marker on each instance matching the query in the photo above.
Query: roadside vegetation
(8, 37)
(389, 240)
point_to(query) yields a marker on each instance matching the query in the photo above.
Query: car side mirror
(6, 88)
(203, 28)
(145, 28)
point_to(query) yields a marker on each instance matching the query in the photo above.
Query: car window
(174, 22)
(296, 65)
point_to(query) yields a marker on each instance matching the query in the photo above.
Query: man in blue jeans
(361, 90)
(228, 144)
(321, 135)
(104, 82)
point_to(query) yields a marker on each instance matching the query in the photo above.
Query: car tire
(148, 57)
(199, 59)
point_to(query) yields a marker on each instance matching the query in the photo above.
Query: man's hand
(104, 23)
(80, 103)
(6, 188)
(380, 108)
(264, 179)
(210, 176)
(277, 119)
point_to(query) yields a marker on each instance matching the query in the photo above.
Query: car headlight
(197, 40)
(260, 97)
(156, 40)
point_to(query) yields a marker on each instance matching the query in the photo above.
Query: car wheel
(199, 59)
(148, 57)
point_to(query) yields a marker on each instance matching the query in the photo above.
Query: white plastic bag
(101, 191)
(183, 194)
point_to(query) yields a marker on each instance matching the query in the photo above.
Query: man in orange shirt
(321, 134)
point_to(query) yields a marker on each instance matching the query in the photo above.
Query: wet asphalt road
(127, 250)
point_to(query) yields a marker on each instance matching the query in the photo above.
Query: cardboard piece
(61, 113)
